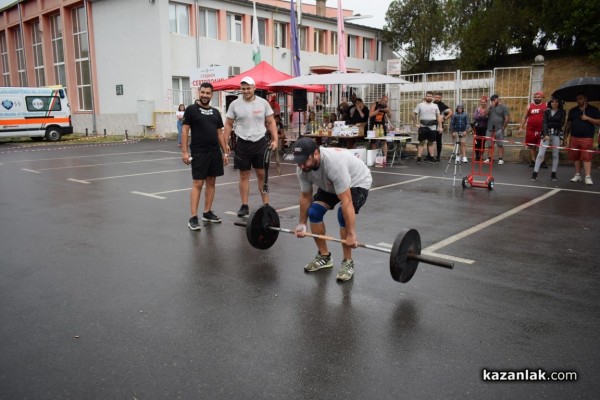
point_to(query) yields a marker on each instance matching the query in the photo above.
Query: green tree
(415, 28)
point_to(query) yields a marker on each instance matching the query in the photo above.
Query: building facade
(120, 58)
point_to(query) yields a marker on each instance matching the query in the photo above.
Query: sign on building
(208, 74)
(393, 67)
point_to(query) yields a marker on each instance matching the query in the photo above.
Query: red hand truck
(481, 171)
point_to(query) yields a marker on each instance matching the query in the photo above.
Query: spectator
(429, 124)
(446, 113)
(579, 134)
(533, 119)
(480, 121)
(553, 122)
(459, 124)
(499, 116)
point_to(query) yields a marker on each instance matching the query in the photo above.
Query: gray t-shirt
(496, 117)
(428, 112)
(340, 170)
(249, 117)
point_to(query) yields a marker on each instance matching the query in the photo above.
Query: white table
(397, 143)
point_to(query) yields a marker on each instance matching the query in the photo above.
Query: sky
(376, 8)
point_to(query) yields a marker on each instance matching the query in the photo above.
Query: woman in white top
(179, 115)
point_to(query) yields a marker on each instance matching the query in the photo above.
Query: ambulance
(38, 113)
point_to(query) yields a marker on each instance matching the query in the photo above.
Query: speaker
(228, 100)
(300, 101)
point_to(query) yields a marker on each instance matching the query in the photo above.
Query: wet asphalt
(106, 294)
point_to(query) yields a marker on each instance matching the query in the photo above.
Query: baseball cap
(303, 148)
(494, 97)
(248, 80)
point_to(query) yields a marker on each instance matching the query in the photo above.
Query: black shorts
(426, 134)
(250, 154)
(207, 164)
(359, 197)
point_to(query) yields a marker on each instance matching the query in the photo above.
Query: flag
(295, 47)
(341, 33)
(255, 40)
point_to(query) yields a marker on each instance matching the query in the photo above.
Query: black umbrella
(587, 85)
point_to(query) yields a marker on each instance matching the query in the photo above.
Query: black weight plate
(257, 231)
(402, 268)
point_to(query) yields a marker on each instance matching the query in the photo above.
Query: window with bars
(234, 28)
(279, 34)
(319, 41)
(38, 54)
(20, 52)
(58, 54)
(4, 58)
(82, 59)
(179, 18)
(208, 24)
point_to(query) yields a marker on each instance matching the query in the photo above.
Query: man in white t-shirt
(339, 177)
(429, 123)
(250, 114)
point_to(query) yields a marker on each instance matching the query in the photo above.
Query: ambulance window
(42, 103)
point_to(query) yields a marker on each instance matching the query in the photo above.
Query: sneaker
(534, 176)
(465, 160)
(210, 217)
(193, 224)
(588, 180)
(418, 160)
(487, 161)
(576, 178)
(346, 272)
(244, 211)
(431, 161)
(319, 262)
(500, 161)
(553, 177)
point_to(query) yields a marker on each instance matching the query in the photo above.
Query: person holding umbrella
(579, 135)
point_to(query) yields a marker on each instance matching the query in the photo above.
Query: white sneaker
(588, 180)
(465, 160)
(576, 178)
(500, 162)
(487, 160)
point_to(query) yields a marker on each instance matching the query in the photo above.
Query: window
(366, 48)
(302, 32)
(179, 19)
(279, 34)
(234, 27)
(351, 50)
(4, 59)
(334, 43)
(58, 54)
(319, 41)
(21, 68)
(82, 59)
(262, 30)
(182, 93)
(42, 103)
(38, 54)
(208, 24)
(379, 56)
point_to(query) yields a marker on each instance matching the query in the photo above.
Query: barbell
(262, 231)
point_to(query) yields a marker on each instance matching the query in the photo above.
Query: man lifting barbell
(339, 177)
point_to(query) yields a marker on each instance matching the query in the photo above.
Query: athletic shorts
(359, 197)
(532, 138)
(499, 137)
(426, 135)
(250, 154)
(207, 164)
(581, 144)
(461, 139)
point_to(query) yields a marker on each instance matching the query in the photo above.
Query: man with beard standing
(446, 114)
(429, 123)
(209, 152)
(534, 118)
(250, 114)
(339, 177)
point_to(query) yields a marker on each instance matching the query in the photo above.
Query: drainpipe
(23, 42)
(87, 21)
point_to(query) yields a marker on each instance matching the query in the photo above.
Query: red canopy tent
(264, 75)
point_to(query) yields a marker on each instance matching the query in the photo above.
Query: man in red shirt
(533, 118)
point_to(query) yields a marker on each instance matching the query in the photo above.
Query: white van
(38, 113)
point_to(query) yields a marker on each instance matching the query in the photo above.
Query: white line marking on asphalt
(148, 195)
(114, 163)
(489, 222)
(86, 156)
(130, 175)
(30, 170)
(429, 253)
(397, 183)
(78, 181)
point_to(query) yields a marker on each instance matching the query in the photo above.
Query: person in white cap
(250, 114)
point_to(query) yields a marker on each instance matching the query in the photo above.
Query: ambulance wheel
(53, 134)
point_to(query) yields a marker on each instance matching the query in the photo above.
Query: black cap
(303, 148)
(494, 97)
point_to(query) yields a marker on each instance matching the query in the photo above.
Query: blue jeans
(179, 129)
